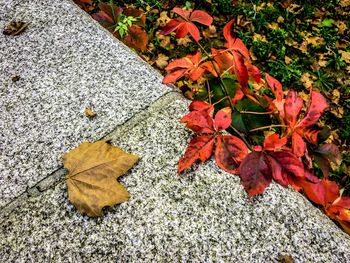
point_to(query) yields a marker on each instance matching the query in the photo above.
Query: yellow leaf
(344, 3)
(306, 79)
(163, 19)
(341, 26)
(93, 170)
(258, 37)
(345, 55)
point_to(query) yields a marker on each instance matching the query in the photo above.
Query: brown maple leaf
(93, 170)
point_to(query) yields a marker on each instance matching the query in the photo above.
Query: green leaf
(327, 22)
(246, 122)
(217, 90)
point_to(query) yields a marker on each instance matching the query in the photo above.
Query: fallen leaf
(306, 79)
(345, 55)
(280, 19)
(258, 37)
(162, 61)
(341, 26)
(210, 32)
(288, 60)
(344, 3)
(93, 170)
(15, 28)
(15, 78)
(89, 113)
(184, 41)
(286, 259)
(163, 19)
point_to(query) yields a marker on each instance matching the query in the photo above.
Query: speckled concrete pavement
(67, 62)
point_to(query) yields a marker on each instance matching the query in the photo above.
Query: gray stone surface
(202, 217)
(66, 62)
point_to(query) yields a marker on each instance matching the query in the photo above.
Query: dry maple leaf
(93, 170)
(162, 61)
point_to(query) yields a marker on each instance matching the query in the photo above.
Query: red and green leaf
(136, 38)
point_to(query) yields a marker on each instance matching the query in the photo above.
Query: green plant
(286, 72)
(324, 82)
(123, 24)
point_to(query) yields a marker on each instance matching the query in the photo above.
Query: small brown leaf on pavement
(15, 28)
(93, 172)
(89, 113)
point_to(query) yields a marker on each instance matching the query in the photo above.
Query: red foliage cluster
(109, 16)
(288, 155)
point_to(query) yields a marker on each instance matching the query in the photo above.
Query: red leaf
(199, 148)
(199, 105)
(292, 108)
(183, 27)
(136, 38)
(111, 10)
(229, 33)
(240, 69)
(278, 174)
(255, 173)
(224, 59)
(309, 134)
(273, 142)
(174, 76)
(199, 121)
(229, 153)
(275, 86)
(182, 30)
(239, 95)
(209, 67)
(181, 12)
(254, 72)
(238, 45)
(342, 202)
(193, 30)
(288, 165)
(298, 144)
(223, 119)
(172, 25)
(317, 105)
(201, 17)
(187, 66)
(322, 193)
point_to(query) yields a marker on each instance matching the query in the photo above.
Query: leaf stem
(256, 112)
(224, 98)
(268, 127)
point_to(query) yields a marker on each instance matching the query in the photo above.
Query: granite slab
(65, 62)
(204, 216)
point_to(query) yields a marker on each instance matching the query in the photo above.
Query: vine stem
(223, 87)
(224, 98)
(256, 112)
(268, 127)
